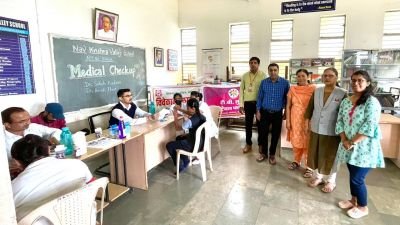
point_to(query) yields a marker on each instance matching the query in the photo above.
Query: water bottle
(152, 108)
(121, 128)
(127, 129)
(66, 140)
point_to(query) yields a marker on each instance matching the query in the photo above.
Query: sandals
(328, 187)
(308, 173)
(345, 204)
(261, 158)
(315, 182)
(293, 166)
(272, 160)
(356, 213)
(246, 149)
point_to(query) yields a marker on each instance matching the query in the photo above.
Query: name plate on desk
(103, 143)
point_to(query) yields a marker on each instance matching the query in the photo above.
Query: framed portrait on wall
(105, 25)
(158, 57)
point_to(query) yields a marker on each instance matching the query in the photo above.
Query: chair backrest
(202, 128)
(77, 207)
(99, 120)
(216, 113)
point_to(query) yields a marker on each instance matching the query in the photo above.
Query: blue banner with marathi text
(307, 6)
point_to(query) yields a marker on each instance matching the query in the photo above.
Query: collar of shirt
(270, 80)
(123, 105)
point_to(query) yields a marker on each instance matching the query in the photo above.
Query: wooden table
(390, 127)
(113, 189)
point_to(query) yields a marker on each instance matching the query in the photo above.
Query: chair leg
(203, 166)
(178, 160)
(209, 159)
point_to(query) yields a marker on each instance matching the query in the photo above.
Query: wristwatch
(352, 142)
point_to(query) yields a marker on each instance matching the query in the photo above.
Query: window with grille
(189, 60)
(281, 43)
(331, 40)
(239, 48)
(391, 30)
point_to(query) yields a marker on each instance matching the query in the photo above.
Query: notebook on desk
(138, 121)
(103, 142)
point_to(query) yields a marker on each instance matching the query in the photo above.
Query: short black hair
(122, 91)
(177, 94)
(195, 94)
(6, 114)
(273, 64)
(29, 149)
(255, 58)
(109, 17)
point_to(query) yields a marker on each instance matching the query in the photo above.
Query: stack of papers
(139, 121)
(103, 142)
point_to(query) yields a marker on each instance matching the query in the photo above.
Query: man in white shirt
(44, 178)
(205, 110)
(126, 109)
(106, 32)
(17, 124)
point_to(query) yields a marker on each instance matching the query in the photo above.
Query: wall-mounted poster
(172, 60)
(106, 25)
(16, 72)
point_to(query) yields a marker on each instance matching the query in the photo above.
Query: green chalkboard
(89, 73)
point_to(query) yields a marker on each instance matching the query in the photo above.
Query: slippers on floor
(308, 173)
(356, 213)
(293, 166)
(315, 182)
(328, 187)
(345, 204)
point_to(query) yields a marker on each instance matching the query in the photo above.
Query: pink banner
(164, 95)
(225, 96)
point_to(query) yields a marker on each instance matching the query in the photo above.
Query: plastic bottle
(67, 141)
(127, 129)
(152, 108)
(121, 127)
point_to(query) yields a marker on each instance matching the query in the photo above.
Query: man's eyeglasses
(127, 96)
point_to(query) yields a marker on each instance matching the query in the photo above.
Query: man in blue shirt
(271, 101)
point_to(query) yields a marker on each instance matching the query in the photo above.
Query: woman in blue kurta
(358, 127)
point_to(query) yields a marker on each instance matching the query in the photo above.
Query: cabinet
(314, 66)
(384, 68)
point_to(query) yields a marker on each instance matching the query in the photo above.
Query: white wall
(142, 23)
(364, 25)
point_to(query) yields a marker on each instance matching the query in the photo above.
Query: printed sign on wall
(16, 73)
(307, 6)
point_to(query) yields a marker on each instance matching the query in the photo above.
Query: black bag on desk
(386, 100)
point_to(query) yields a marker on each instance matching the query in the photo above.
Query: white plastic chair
(216, 112)
(75, 208)
(201, 155)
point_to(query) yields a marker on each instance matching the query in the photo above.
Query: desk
(142, 151)
(390, 127)
(114, 190)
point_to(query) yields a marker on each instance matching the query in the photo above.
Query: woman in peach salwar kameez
(297, 101)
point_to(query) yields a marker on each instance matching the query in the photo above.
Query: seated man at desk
(191, 123)
(43, 178)
(52, 116)
(17, 124)
(126, 109)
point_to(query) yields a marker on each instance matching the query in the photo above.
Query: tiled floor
(242, 191)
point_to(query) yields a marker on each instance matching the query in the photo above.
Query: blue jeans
(358, 188)
(179, 144)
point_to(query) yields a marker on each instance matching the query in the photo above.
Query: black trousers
(270, 118)
(250, 110)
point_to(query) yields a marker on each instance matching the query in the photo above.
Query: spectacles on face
(360, 81)
(127, 96)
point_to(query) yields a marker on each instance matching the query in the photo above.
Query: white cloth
(205, 110)
(45, 180)
(109, 35)
(117, 113)
(40, 130)
(183, 106)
